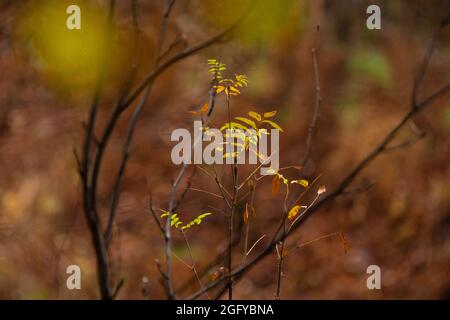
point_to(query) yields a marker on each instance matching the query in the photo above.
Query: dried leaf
(275, 185)
(204, 109)
(246, 214)
(322, 189)
(250, 184)
(214, 276)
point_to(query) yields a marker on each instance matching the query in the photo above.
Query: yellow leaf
(234, 125)
(270, 114)
(234, 89)
(282, 178)
(230, 155)
(220, 89)
(273, 124)
(247, 121)
(255, 115)
(174, 221)
(304, 183)
(165, 214)
(293, 212)
(241, 80)
(197, 221)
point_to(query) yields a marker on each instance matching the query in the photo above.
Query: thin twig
(254, 245)
(186, 189)
(164, 276)
(207, 192)
(193, 267)
(234, 174)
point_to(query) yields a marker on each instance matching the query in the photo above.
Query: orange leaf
(246, 214)
(285, 252)
(204, 109)
(201, 112)
(275, 185)
(250, 184)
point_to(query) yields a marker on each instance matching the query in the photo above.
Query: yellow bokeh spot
(69, 59)
(268, 21)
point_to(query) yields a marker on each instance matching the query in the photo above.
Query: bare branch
(164, 278)
(318, 101)
(88, 199)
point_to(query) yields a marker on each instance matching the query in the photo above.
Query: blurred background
(396, 215)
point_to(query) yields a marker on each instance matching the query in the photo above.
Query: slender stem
(234, 174)
(193, 267)
(282, 243)
(280, 269)
(247, 227)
